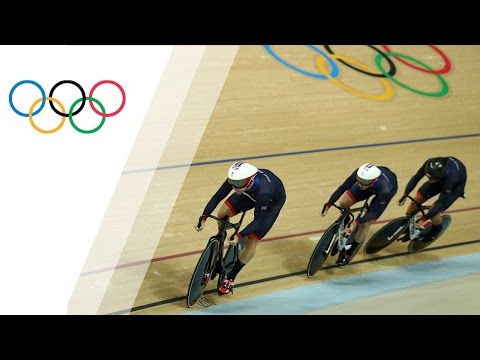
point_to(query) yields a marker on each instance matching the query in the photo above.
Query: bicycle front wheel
(201, 274)
(320, 253)
(386, 235)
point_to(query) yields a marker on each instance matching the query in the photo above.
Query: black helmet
(435, 168)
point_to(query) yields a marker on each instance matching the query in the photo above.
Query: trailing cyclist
(446, 176)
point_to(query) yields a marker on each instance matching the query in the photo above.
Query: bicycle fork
(342, 240)
(327, 250)
(413, 232)
(214, 257)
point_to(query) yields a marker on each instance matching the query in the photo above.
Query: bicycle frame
(333, 239)
(224, 227)
(413, 230)
(340, 233)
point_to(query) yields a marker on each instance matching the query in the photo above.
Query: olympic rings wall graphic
(71, 113)
(381, 73)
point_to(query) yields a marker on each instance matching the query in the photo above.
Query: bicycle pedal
(342, 261)
(419, 238)
(404, 238)
(223, 294)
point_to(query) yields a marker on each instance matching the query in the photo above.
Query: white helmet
(241, 174)
(367, 174)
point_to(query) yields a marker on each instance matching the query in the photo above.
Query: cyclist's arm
(347, 184)
(221, 194)
(415, 179)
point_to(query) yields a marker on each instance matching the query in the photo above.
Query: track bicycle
(334, 239)
(406, 229)
(214, 260)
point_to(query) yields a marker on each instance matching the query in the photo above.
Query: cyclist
(364, 182)
(446, 176)
(258, 189)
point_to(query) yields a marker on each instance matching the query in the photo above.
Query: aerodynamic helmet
(435, 168)
(240, 174)
(367, 174)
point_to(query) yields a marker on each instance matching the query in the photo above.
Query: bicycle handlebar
(419, 206)
(350, 211)
(223, 220)
(226, 225)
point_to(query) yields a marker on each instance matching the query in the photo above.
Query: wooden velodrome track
(312, 134)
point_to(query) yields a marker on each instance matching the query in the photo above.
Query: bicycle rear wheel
(386, 235)
(203, 269)
(417, 245)
(320, 253)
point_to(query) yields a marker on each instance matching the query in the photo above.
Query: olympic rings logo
(381, 73)
(71, 112)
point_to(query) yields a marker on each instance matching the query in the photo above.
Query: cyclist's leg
(346, 201)
(257, 232)
(224, 213)
(350, 197)
(362, 232)
(231, 207)
(427, 191)
(437, 219)
(246, 254)
(235, 204)
(458, 192)
(376, 207)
